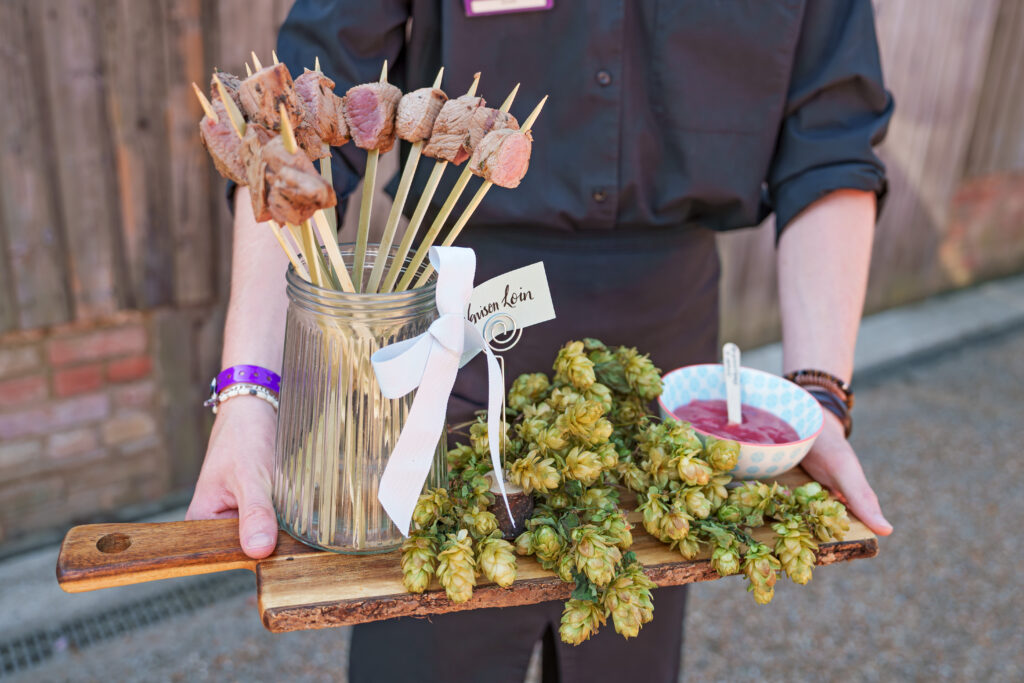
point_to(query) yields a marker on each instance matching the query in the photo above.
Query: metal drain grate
(30, 649)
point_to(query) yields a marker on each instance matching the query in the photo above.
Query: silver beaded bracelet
(241, 389)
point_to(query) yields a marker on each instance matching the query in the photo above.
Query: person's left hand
(833, 463)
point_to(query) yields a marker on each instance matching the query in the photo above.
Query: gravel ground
(941, 602)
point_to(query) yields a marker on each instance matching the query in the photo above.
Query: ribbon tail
(410, 461)
(495, 388)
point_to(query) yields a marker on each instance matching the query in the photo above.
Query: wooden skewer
(442, 216)
(234, 114)
(421, 210)
(273, 53)
(396, 208)
(333, 253)
(205, 104)
(366, 206)
(477, 198)
(306, 238)
(248, 70)
(256, 61)
(293, 256)
(327, 173)
(316, 63)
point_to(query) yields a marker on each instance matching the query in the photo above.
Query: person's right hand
(235, 479)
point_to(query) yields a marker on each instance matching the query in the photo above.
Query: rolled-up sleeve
(837, 109)
(352, 38)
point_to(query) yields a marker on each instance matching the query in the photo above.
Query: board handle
(96, 556)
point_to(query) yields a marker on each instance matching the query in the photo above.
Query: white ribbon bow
(431, 361)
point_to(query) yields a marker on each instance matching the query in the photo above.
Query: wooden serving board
(299, 587)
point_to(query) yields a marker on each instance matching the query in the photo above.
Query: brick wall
(81, 426)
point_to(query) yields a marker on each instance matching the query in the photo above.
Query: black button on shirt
(708, 103)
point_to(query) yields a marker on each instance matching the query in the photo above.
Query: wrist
(249, 408)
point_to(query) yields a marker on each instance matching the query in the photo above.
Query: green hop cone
(600, 497)
(559, 499)
(810, 491)
(595, 555)
(608, 455)
(641, 374)
(722, 454)
(419, 560)
(751, 498)
(683, 437)
(580, 620)
(524, 543)
(829, 520)
(540, 411)
(716, 491)
(461, 456)
(531, 429)
(496, 559)
(725, 559)
(533, 473)
(600, 394)
(552, 439)
(583, 466)
(526, 390)
(693, 470)
(572, 366)
(430, 507)
(617, 528)
(696, 503)
(688, 547)
(628, 600)
(628, 411)
(633, 477)
(478, 437)
(675, 524)
(547, 544)
(581, 419)
(762, 571)
(795, 548)
(480, 521)
(596, 350)
(653, 507)
(730, 514)
(566, 567)
(456, 567)
(660, 464)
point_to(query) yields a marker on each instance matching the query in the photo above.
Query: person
(667, 122)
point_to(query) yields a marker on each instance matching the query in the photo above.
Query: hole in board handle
(113, 543)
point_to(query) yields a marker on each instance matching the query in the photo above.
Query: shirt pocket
(724, 65)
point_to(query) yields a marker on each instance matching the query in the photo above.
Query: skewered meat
(484, 120)
(261, 94)
(502, 157)
(325, 111)
(222, 142)
(231, 85)
(370, 114)
(310, 142)
(416, 113)
(251, 154)
(295, 189)
(450, 136)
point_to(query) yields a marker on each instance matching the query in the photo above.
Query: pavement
(938, 425)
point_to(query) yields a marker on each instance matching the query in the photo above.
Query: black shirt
(661, 112)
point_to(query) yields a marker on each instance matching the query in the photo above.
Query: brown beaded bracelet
(831, 392)
(832, 404)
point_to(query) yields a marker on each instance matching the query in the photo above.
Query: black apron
(656, 290)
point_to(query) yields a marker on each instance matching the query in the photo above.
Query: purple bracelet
(250, 374)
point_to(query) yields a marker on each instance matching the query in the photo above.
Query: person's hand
(235, 479)
(833, 463)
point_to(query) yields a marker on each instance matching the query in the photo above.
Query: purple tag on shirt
(483, 8)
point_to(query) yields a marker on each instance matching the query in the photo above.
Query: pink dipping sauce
(758, 426)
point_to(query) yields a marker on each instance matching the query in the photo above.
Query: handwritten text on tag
(522, 293)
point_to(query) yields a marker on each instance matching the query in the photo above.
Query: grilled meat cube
(231, 84)
(450, 137)
(222, 142)
(251, 154)
(486, 119)
(261, 93)
(416, 113)
(325, 111)
(370, 114)
(310, 142)
(294, 188)
(502, 157)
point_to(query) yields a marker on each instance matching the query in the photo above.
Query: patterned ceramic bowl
(761, 390)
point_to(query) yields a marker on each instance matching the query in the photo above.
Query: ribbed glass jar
(335, 430)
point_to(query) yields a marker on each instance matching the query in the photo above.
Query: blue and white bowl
(761, 390)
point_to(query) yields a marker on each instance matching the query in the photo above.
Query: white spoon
(731, 365)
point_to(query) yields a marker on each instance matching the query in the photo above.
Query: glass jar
(335, 429)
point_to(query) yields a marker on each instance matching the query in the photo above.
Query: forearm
(824, 255)
(254, 330)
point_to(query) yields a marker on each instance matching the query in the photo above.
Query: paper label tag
(731, 365)
(482, 8)
(522, 293)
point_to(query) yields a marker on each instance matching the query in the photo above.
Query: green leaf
(612, 375)
(584, 589)
(628, 558)
(574, 488)
(570, 521)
